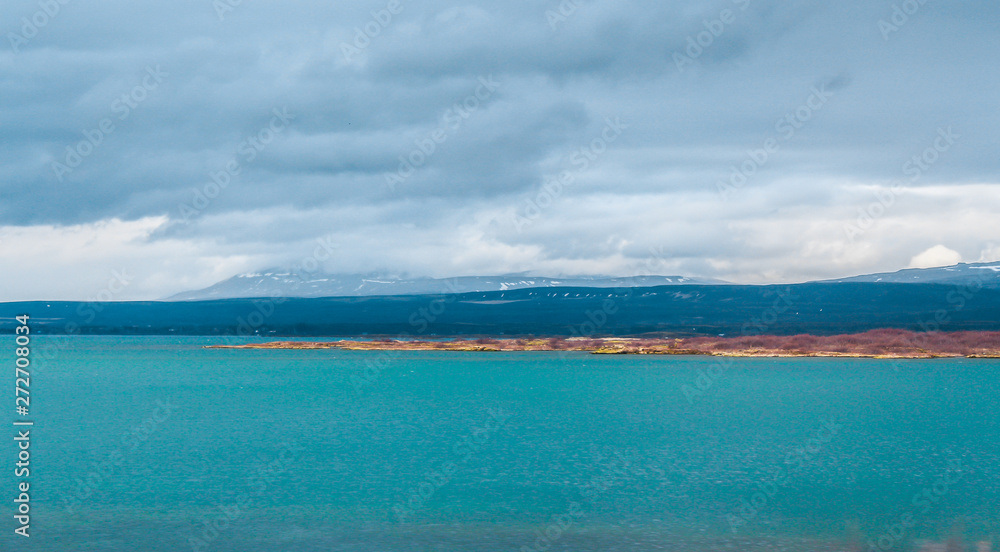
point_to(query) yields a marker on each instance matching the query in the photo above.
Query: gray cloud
(653, 188)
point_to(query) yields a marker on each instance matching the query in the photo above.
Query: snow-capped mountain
(985, 274)
(288, 283)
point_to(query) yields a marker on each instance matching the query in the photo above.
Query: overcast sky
(175, 145)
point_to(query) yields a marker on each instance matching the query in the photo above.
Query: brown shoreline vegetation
(885, 343)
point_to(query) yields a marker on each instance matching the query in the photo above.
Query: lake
(157, 444)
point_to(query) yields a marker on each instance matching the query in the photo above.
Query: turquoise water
(145, 443)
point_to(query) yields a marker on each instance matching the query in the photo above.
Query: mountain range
(960, 297)
(988, 274)
(277, 282)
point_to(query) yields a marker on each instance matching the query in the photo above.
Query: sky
(153, 148)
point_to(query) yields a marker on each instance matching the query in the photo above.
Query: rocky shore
(890, 343)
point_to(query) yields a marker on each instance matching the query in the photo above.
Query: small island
(886, 343)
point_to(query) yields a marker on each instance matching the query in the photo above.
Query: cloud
(938, 255)
(79, 262)
(990, 254)
(358, 118)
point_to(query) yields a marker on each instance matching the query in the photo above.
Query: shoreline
(879, 344)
